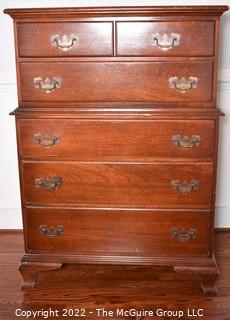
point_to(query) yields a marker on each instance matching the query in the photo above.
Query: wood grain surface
(121, 140)
(115, 232)
(116, 81)
(136, 38)
(93, 39)
(119, 184)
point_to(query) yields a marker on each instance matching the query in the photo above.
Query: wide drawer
(116, 81)
(118, 184)
(117, 232)
(65, 39)
(165, 38)
(119, 139)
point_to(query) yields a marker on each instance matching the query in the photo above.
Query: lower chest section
(118, 188)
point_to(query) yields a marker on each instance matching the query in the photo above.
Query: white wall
(10, 215)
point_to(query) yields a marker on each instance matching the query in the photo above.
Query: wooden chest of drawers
(117, 130)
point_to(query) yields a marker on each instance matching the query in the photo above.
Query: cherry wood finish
(136, 38)
(92, 39)
(114, 232)
(118, 139)
(124, 81)
(117, 130)
(117, 184)
(29, 271)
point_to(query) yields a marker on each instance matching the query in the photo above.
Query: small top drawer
(165, 38)
(65, 39)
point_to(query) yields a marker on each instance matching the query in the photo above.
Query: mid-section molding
(124, 113)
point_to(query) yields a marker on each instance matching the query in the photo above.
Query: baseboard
(8, 82)
(10, 218)
(11, 231)
(222, 216)
(224, 74)
(224, 78)
(222, 230)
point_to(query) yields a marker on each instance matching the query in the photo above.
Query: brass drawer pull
(183, 234)
(48, 85)
(183, 85)
(49, 184)
(46, 141)
(64, 42)
(186, 142)
(51, 232)
(184, 187)
(166, 42)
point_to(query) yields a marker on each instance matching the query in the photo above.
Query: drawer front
(65, 39)
(88, 140)
(117, 184)
(165, 38)
(118, 232)
(114, 81)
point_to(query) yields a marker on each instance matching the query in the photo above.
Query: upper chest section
(160, 56)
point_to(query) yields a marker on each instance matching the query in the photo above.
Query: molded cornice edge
(116, 11)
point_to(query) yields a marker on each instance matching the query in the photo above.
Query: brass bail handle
(49, 184)
(46, 140)
(186, 142)
(183, 234)
(185, 187)
(51, 232)
(166, 42)
(48, 85)
(183, 85)
(64, 42)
